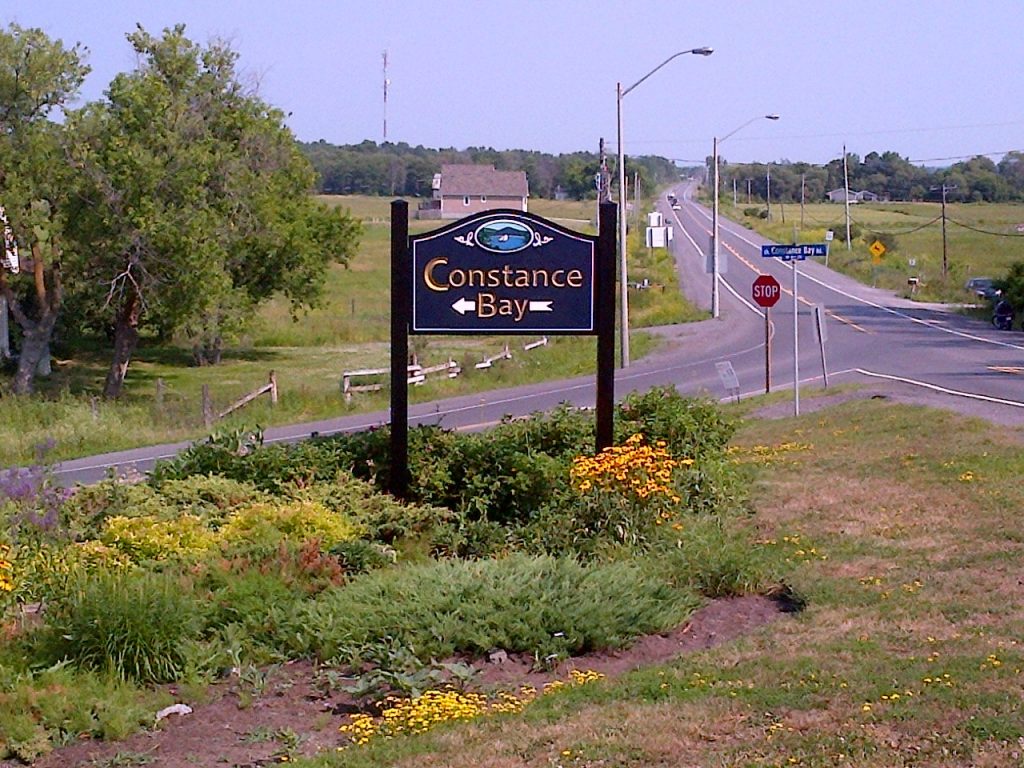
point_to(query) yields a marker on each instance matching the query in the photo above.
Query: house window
(465, 200)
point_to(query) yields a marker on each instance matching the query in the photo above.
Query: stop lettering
(766, 291)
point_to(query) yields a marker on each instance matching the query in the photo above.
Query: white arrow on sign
(464, 305)
(540, 306)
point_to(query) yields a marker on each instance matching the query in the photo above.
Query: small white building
(839, 196)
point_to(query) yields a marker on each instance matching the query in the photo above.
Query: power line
(963, 157)
(985, 231)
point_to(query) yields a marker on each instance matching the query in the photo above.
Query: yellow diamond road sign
(877, 249)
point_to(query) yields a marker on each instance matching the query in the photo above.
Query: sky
(934, 80)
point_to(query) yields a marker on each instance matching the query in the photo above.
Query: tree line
(888, 175)
(390, 168)
(173, 205)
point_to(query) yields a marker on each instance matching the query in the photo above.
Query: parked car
(982, 287)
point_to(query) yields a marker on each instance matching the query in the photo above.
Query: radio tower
(386, 84)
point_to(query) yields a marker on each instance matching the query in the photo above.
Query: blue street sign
(794, 252)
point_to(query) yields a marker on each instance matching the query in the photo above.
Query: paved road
(928, 353)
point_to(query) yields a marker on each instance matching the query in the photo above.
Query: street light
(623, 298)
(714, 213)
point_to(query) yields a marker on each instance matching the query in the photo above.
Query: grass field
(909, 550)
(981, 240)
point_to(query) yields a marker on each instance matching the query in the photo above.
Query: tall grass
(134, 625)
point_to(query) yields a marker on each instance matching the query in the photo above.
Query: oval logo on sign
(503, 236)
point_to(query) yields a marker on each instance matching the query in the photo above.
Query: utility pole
(846, 199)
(748, 190)
(945, 254)
(733, 191)
(768, 191)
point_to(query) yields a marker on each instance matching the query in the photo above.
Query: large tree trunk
(126, 338)
(36, 334)
(35, 344)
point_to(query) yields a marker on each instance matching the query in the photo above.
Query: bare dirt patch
(293, 716)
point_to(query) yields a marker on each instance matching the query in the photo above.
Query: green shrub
(210, 497)
(693, 428)
(87, 510)
(148, 538)
(383, 517)
(511, 475)
(135, 625)
(540, 605)
(245, 599)
(267, 524)
(471, 539)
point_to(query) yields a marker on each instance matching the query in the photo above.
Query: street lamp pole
(620, 93)
(715, 308)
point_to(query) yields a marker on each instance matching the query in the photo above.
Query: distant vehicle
(676, 207)
(982, 287)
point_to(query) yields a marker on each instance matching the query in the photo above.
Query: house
(460, 190)
(839, 196)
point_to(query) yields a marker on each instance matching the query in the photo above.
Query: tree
(37, 77)
(195, 205)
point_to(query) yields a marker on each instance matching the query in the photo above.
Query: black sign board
(503, 271)
(499, 272)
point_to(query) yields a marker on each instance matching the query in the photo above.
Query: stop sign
(766, 291)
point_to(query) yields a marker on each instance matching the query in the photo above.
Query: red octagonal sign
(766, 291)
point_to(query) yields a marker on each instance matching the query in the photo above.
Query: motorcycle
(1002, 318)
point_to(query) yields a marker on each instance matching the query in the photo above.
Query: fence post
(273, 388)
(207, 407)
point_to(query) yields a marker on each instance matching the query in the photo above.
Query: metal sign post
(796, 343)
(766, 292)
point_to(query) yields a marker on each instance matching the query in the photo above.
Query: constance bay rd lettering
(506, 272)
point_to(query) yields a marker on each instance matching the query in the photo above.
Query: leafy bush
(296, 520)
(150, 538)
(694, 428)
(210, 497)
(515, 475)
(135, 625)
(383, 517)
(89, 507)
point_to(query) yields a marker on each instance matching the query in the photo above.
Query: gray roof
(475, 180)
